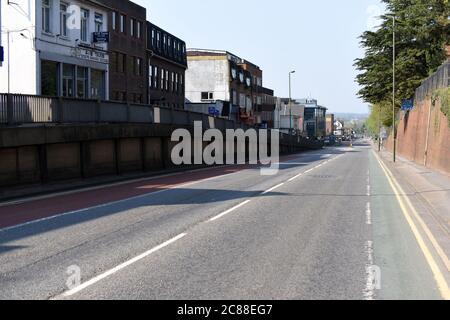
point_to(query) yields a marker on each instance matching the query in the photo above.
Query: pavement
(332, 224)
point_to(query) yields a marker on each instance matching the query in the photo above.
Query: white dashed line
(368, 214)
(229, 211)
(121, 266)
(373, 276)
(273, 188)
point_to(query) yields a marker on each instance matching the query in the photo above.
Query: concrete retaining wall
(47, 153)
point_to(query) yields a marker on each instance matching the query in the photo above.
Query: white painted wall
(19, 20)
(208, 76)
(28, 43)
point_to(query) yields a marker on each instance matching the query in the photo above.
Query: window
(165, 43)
(162, 79)
(63, 19)
(153, 38)
(169, 44)
(68, 80)
(121, 63)
(167, 80)
(176, 83)
(97, 84)
(122, 23)
(242, 100)
(49, 78)
(234, 97)
(150, 75)
(138, 66)
(82, 79)
(98, 22)
(114, 20)
(132, 22)
(84, 25)
(158, 40)
(173, 82)
(46, 18)
(155, 78)
(139, 30)
(207, 96)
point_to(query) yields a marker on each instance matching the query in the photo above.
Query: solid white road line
(229, 211)
(121, 266)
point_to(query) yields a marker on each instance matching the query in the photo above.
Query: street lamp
(290, 100)
(393, 88)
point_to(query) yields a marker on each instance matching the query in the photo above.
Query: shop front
(82, 74)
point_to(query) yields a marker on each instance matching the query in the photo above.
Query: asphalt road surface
(328, 226)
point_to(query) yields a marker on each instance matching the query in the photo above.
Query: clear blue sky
(318, 39)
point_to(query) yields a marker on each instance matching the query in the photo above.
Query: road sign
(213, 111)
(101, 37)
(407, 104)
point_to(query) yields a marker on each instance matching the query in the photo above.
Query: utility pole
(393, 91)
(290, 101)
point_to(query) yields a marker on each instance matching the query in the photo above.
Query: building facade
(167, 63)
(315, 118)
(215, 75)
(291, 116)
(330, 125)
(127, 50)
(56, 45)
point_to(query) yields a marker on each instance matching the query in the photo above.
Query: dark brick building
(167, 64)
(127, 49)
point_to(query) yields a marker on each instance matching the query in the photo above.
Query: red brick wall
(412, 136)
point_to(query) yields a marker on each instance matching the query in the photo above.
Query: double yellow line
(406, 204)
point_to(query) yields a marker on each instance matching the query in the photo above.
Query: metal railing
(18, 109)
(440, 79)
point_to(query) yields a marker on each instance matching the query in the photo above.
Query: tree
(422, 31)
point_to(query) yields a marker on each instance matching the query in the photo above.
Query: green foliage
(422, 30)
(443, 95)
(380, 116)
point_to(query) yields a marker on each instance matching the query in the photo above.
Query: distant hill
(351, 116)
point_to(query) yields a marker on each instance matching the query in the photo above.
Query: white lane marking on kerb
(121, 266)
(273, 188)
(368, 214)
(229, 211)
(368, 191)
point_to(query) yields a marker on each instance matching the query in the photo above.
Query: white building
(50, 48)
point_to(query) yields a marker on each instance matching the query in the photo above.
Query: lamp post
(290, 100)
(393, 89)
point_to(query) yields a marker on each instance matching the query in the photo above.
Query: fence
(16, 109)
(440, 79)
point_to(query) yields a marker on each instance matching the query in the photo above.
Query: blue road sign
(2, 54)
(407, 104)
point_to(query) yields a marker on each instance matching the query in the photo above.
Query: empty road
(328, 226)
